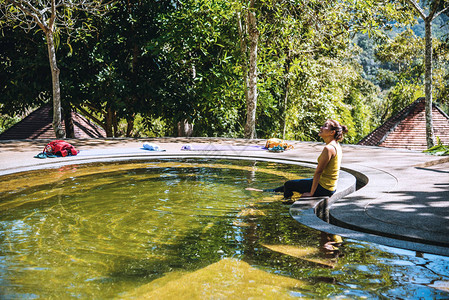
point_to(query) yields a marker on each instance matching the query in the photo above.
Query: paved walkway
(405, 202)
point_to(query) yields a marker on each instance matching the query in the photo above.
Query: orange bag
(277, 142)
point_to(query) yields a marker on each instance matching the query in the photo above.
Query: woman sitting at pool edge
(324, 181)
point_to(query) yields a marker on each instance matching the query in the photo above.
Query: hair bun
(340, 129)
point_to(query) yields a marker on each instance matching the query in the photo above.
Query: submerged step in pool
(186, 228)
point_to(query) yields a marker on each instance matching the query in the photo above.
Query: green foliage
(7, 121)
(145, 127)
(327, 89)
(25, 79)
(441, 72)
(197, 54)
(438, 149)
(156, 63)
(401, 71)
(292, 35)
(402, 58)
(363, 98)
(404, 52)
(401, 95)
(111, 72)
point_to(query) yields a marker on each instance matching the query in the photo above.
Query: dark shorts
(301, 186)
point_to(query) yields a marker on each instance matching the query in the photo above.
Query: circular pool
(185, 228)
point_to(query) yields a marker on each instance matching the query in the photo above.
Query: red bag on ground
(60, 148)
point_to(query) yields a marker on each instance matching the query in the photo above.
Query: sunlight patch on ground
(309, 254)
(226, 279)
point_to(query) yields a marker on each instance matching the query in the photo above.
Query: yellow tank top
(329, 177)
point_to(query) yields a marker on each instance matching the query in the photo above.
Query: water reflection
(330, 245)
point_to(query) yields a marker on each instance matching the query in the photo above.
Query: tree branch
(440, 12)
(53, 15)
(433, 9)
(418, 8)
(30, 11)
(48, 14)
(88, 114)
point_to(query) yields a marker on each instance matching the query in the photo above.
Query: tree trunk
(57, 111)
(286, 91)
(185, 128)
(428, 82)
(243, 50)
(130, 127)
(115, 123)
(284, 113)
(69, 126)
(109, 121)
(251, 104)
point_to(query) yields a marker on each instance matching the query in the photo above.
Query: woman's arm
(326, 155)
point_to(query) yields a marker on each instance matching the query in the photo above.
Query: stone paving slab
(404, 203)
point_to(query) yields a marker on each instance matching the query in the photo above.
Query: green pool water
(185, 229)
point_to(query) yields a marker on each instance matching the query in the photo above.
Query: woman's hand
(307, 194)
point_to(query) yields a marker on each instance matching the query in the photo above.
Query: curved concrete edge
(351, 212)
(309, 218)
(347, 215)
(49, 164)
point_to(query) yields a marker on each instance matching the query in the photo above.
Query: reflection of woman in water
(324, 181)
